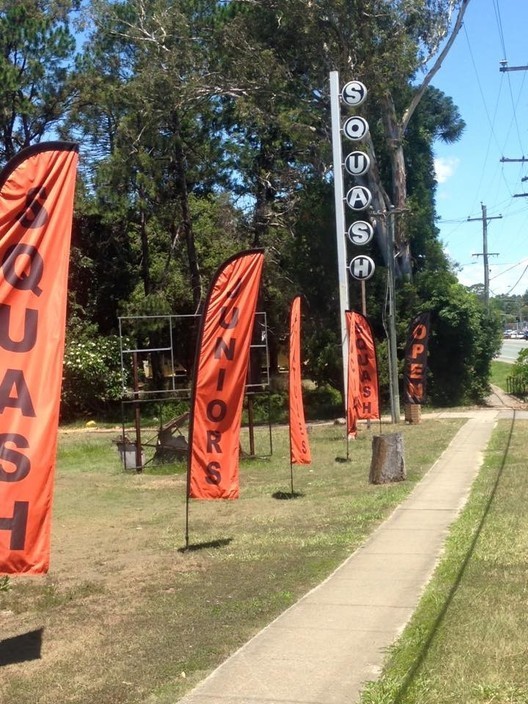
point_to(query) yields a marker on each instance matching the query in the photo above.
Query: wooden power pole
(485, 254)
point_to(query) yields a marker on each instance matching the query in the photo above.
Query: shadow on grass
(342, 460)
(287, 495)
(21, 648)
(220, 543)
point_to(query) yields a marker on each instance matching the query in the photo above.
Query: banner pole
(291, 463)
(187, 520)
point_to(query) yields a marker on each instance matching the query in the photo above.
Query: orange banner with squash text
(299, 445)
(363, 384)
(36, 207)
(220, 374)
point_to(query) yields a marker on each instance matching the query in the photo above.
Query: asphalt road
(510, 350)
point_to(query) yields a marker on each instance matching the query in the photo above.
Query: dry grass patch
(127, 617)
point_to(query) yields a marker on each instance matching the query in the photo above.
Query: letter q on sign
(356, 128)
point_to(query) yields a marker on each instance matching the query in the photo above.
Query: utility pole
(504, 67)
(389, 321)
(485, 254)
(393, 358)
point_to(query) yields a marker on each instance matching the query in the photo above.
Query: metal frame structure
(133, 395)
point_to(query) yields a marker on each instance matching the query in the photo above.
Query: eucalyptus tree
(395, 48)
(150, 90)
(36, 52)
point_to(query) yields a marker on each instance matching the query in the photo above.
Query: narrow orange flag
(299, 445)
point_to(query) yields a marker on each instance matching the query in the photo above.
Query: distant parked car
(517, 335)
(507, 334)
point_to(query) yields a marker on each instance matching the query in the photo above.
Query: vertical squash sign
(36, 206)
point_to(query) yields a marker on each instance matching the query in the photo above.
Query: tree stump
(413, 413)
(388, 463)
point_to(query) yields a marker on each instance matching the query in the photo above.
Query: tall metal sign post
(340, 220)
(357, 198)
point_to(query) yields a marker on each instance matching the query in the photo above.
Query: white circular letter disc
(360, 232)
(354, 93)
(356, 128)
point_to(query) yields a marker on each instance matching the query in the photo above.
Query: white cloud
(445, 168)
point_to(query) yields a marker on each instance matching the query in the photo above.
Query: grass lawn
(126, 617)
(500, 371)
(467, 642)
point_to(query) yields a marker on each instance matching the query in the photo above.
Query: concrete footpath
(325, 647)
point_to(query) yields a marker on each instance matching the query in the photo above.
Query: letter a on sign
(220, 372)
(36, 206)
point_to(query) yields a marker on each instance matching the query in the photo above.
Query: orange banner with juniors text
(299, 445)
(36, 206)
(363, 384)
(220, 375)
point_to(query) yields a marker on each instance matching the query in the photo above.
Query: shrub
(271, 407)
(92, 382)
(520, 373)
(322, 402)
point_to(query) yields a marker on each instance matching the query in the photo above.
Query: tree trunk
(388, 463)
(394, 136)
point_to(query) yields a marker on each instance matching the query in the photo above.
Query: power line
(518, 280)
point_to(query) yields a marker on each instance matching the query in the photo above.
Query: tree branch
(434, 69)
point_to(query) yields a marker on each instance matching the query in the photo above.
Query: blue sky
(494, 105)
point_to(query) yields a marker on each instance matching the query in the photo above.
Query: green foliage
(323, 402)
(519, 370)
(272, 408)
(464, 340)
(320, 403)
(92, 382)
(204, 130)
(35, 47)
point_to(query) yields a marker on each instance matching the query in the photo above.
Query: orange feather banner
(363, 385)
(299, 445)
(220, 374)
(36, 208)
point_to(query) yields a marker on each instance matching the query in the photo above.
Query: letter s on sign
(21, 462)
(213, 475)
(35, 214)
